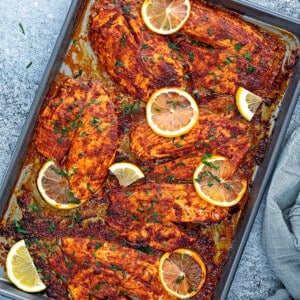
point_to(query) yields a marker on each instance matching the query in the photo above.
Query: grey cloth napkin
(281, 226)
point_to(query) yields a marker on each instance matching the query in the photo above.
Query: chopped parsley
(238, 46)
(191, 56)
(210, 31)
(179, 279)
(22, 28)
(33, 208)
(29, 65)
(18, 228)
(250, 69)
(78, 74)
(119, 63)
(145, 46)
(247, 55)
(173, 46)
(123, 39)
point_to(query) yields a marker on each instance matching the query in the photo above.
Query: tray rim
(269, 16)
(288, 23)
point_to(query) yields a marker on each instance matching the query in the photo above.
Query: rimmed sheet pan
(253, 13)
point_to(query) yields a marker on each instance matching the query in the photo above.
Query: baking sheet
(262, 175)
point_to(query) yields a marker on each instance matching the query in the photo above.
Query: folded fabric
(281, 294)
(281, 225)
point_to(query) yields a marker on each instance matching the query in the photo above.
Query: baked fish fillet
(94, 146)
(156, 203)
(212, 134)
(146, 214)
(181, 170)
(98, 269)
(163, 235)
(214, 52)
(255, 56)
(134, 57)
(61, 117)
(80, 125)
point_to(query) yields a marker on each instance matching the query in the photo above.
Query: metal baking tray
(251, 12)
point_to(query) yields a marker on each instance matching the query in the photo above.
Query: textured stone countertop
(41, 21)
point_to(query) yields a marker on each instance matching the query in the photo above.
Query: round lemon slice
(165, 17)
(182, 273)
(213, 185)
(171, 112)
(21, 270)
(126, 173)
(247, 103)
(54, 188)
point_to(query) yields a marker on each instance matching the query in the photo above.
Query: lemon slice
(247, 103)
(213, 185)
(165, 17)
(21, 270)
(182, 273)
(54, 188)
(171, 112)
(126, 173)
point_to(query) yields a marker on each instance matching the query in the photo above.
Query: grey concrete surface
(41, 21)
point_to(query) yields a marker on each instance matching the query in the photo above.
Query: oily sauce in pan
(213, 54)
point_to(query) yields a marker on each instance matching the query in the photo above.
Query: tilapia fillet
(137, 60)
(214, 52)
(80, 125)
(60, 119)
(98, 269)
(163, 235)
(212, 134)
(181, 170)
(146, 214)
(155, 203)
(93, 148)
